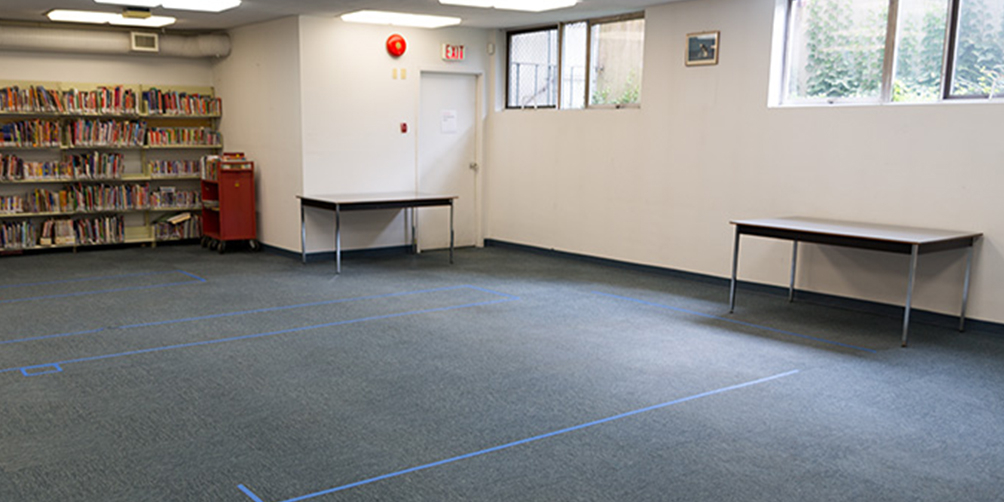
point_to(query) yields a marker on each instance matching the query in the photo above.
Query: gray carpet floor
(178, 374)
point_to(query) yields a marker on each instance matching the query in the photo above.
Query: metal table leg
(794, 262)
(303, 235)
(338, 239)
(735, 268)
(451, 232)
(414, 230)
(965, 289)
(915, 252)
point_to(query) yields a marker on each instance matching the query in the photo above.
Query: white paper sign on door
(449, 123)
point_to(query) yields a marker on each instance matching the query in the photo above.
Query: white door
(447, 152)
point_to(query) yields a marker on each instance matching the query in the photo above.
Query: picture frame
(702, 48)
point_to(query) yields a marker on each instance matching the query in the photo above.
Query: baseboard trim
(842, 302)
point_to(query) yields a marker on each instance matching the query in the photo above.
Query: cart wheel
(255, 245)
(213, 244)
(205, 242)
(222, 246)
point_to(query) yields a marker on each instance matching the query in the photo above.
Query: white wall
(260, 86)
(352, 110)
(147, 70)
(659, 185)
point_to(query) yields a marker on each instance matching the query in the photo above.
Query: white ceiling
(255, 11)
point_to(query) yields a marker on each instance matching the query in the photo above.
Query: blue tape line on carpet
(197, 279)
(528, 440)
(61, 335)
(733, 321)
(193, 276)
(246, 312)
(249, 493)
(507, 298)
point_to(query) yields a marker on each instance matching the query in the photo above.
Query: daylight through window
(599, 64)
(841, 51)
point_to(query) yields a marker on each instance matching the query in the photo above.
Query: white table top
(364, 198)
(873, 231)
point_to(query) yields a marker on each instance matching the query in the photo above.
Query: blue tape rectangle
(56, 367)
(42, 369)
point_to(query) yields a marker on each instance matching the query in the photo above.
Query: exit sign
(453, 52)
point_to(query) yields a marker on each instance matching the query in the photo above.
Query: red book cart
(228, 202)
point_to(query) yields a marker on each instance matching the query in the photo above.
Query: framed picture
(702, 48)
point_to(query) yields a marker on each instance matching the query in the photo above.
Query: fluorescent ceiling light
(198, 5)
(132, 3)
(399, 19)
(487, 4)
(524, 5)
(202, 5)
(87, 16)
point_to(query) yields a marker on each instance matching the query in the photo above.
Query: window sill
(851, 104)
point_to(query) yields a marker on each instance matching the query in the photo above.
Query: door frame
(479, 137)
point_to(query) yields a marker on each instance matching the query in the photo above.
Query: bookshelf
(84, 164)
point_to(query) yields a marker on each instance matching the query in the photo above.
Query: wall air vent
(145, 42)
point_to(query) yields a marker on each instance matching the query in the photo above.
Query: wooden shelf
(183, 147)
(123, 179)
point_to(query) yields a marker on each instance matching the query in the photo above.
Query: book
(179, 218)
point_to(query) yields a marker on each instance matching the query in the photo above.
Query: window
(920, 50)
(978, 58)
(893, 50)
(615, 67)
(533, 69)
(600, 64)
(573, 65)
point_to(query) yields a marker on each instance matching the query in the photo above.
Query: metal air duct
(97, 41)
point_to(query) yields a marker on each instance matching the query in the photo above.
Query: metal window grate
(533, 69)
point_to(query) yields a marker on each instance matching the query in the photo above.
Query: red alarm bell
(396, 45)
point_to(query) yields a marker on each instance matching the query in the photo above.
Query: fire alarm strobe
(396, 45)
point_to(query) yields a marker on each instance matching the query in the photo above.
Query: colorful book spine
(183, 136)
(34, 99)
(113, 133)
(180, 103)
(189, 227)
(11, 204)
(35, 133)
(16, 235)
(57, 233)
(173, 168)
(169, 198)
(116, 100)
(96, 165)
(101, 230)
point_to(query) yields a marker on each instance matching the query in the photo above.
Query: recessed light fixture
(197, 5)
(524, 5)
(400, 19)
(93, 17)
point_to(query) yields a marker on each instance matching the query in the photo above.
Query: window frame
(948, 67)
(560, 29)
(508, 65)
